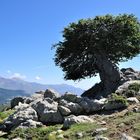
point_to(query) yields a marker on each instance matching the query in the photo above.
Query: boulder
(73, 107)
(23, 113)
(114, 105)
(48, 112)
(30, 124)
(72, 119)
(91, 106)
(124, 89)
(64, 110)
(68, 96)
(130, 74)
(28, 100)
(132, 100)
(49, 93)
(16, 100)
(37, 96)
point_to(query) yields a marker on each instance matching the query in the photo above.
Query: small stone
(79, 135)
(60, 136)
(101, 138)
(136, 110)
(132, 100)
(126, 137)
(99, 131)
(102, 123)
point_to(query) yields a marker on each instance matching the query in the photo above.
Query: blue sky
(28, 28)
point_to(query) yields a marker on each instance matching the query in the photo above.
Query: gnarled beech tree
(97, 45)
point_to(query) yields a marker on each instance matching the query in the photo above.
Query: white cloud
(38, 78)
(18, 76)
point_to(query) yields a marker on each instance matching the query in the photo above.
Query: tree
(97, 45)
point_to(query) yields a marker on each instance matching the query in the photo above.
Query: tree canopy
(115, 37)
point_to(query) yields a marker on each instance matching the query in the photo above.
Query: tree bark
(109, 75)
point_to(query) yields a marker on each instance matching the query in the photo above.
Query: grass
(129, 124)
(5, 114)
(117, 124)
(118, 99)
(33, 133)
(135, 87)
(86, 128)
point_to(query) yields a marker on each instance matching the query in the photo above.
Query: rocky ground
(48, 116)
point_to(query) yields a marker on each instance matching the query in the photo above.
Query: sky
(29, 28)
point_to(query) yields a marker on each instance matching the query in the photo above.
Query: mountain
(30, 87)
(7, 94)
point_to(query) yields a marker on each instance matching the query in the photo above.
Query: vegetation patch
(135, 87)
(41, 133)
(5, 114)
(114, 98)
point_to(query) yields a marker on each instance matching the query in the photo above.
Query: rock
(101, 138)
(102, 123)
(136, 110)
(30, 124)
(90, 105)
(60, 136)
(2, 133)
(28, 100)
(48, 112)
(99, 131)
(75, 108)
(79, 135)
(37, 96)
(69, 97)
(21, 115)
(126, 137)
(132, 100)
(16, 100)
(49, 93)
(123, 89)
(17, 139)
(113, 105)
(75, 119)
(64, 110)
(130, 74)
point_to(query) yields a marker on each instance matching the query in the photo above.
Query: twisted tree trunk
(109, 75)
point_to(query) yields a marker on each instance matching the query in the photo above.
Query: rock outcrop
(48, 107)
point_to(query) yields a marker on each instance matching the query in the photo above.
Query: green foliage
(132, 90)
(115, 37)
(34, 133)
(135, 87)
(5, 114)
(118, 99)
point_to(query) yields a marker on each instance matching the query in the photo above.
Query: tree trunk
(109, 75)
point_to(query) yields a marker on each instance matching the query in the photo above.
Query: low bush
(114, 98)
(135, 87)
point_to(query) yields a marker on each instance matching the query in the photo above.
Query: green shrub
(135, 87)
(5, 114)
(42, 133)
(130, 93)
(117, 99)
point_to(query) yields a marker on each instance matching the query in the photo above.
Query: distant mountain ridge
(28, 88)
(7, 94)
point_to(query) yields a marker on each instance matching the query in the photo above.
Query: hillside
(31, 87)
(6, 95)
